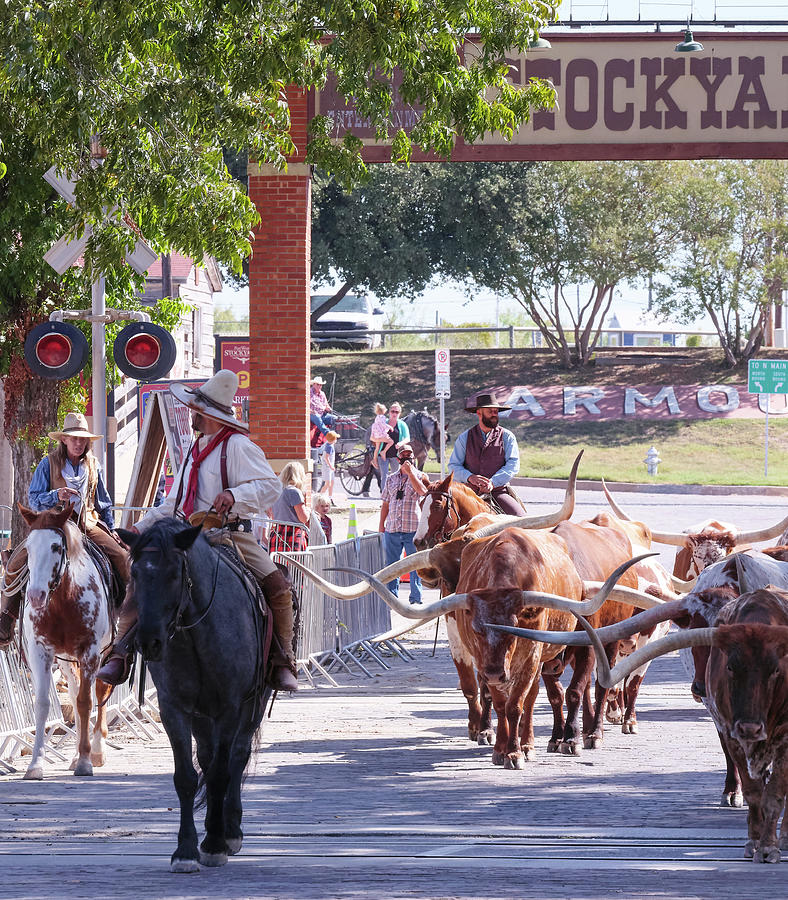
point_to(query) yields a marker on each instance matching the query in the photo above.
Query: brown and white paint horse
(66, 618)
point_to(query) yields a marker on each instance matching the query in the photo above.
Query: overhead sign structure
(624, 96)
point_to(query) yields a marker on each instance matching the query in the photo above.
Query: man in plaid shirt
(399, 516)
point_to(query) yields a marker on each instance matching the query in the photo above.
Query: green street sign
(767, 376)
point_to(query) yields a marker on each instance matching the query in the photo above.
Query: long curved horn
(412, 611)
(630, 596)
(587, 607)
(607, 677)
(548, 521)
(410, 563)
(613, 505)
(618, 632)
(683, 587)
(765, 534)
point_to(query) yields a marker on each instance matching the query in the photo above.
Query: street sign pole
(98, 331)
(766, 440)
(442, 391)
(443, 439)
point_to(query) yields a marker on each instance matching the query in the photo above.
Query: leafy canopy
(167, 84)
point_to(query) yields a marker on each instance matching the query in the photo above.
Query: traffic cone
(352, 524)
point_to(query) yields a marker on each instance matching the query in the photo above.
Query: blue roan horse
(201, 631)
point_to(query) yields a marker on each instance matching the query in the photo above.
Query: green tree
(731, 256)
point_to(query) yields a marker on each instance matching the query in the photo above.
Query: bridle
(451, 507)
(63, 564)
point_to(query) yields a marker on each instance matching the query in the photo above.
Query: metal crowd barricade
(18, 717)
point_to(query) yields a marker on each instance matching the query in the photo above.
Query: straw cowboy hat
(75, 425)
(213, 399)
(483, 400)
(318, 379)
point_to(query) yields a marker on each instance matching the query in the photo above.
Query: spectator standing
(399, 516)
(486, 456)
(328, 465)
(290, 506)
(400, 436)
(320, 412)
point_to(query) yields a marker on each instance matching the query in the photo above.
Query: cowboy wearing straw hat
(224, 481)
(486, 457)
(69, 474)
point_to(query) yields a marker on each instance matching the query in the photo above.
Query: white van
(348, 324)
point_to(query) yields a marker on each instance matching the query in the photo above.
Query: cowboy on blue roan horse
(225, 473)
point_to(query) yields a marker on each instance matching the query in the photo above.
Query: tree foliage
(732, 249)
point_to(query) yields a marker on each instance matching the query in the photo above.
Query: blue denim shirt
(40, 496)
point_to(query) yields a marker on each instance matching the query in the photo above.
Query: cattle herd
(525, 598)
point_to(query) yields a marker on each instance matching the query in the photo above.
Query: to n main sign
(632, 97)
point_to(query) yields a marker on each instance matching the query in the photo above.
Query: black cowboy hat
(483, 400)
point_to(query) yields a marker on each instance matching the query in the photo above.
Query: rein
(177, 625)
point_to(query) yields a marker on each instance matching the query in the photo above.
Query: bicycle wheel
(352, 470)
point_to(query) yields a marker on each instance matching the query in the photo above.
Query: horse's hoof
(569, 748)
(97, 759)
(234, 845)
(213, 859)
(83, 767)
(767, 855)
(514, 761)
(734, 800)
(497, 758)
(35, 773)
(485, 738)
(184, 866)
(591, 741)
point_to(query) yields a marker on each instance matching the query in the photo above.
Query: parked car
(348, 324)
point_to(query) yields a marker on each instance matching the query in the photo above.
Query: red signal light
(143, 351)
(53, 350)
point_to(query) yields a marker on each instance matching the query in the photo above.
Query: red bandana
(197, 458)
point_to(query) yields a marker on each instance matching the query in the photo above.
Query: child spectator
(321, 506)
(328, 465)
(380, 436)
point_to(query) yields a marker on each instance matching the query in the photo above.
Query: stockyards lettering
(608, 402)
(631, 97)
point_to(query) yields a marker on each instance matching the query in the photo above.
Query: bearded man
(486, 457)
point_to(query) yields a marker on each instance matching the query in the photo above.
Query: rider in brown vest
(69, 474)
(226, 473)
(486, 457)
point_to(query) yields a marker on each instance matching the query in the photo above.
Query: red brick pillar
(279, 291)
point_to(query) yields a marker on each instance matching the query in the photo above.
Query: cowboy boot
(9, 613)
(117, 665)
(279, 597)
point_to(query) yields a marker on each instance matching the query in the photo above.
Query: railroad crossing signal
(56, 350)
(144, 351)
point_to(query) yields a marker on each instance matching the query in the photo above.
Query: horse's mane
(160, 535)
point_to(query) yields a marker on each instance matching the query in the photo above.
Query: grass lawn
(708, 451)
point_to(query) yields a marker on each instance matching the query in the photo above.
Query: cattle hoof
(234, 845)
(514, 761)
(497, 758)
(569, 748)
(613, 718)
(184, 866)
(749, 849)
(767, 855)
(97, 759)
(35, 773)
(734, 800)
(629, 728)
(591, 741)
(552, 746)
(83, 767)
(213, 859)
(485, 738)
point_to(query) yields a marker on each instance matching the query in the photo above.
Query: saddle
(116, 588)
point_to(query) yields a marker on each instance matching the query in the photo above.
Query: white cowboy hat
(74, 425)
(318, 379)
(213, 399)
